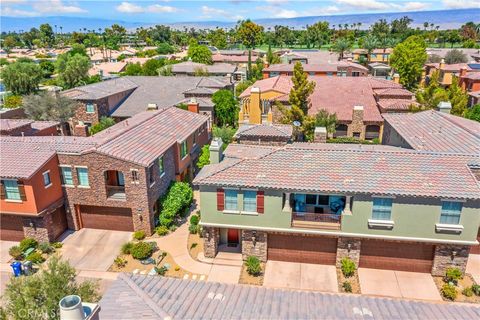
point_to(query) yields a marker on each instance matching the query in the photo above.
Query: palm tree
(341, 46)
(425, 25)
(370, 43)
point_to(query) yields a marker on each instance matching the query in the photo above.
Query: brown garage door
(302, 249)
(59, 220)
(396, 256)
(11, 228)
(109, 218)
(476, 249)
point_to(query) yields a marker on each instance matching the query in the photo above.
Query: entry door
(232, 236)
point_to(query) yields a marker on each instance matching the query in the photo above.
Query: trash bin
(28, 268)
(17, 268)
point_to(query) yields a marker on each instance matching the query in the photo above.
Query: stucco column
(348, 204)
(286, 207)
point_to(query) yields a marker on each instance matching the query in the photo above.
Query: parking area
(400, 284)
(93, 249)
(305, 276)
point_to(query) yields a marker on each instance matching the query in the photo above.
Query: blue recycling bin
(17, 268)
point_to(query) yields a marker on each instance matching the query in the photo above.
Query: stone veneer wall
(211, 238)
(343, 252)
(443, 258)
(264, 141)
(357, 124)
(257, 249)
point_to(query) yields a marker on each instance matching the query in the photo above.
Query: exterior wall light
(254, 238)
(349, 247)
(454, 254)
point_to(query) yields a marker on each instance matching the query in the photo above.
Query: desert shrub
(347, 286)
(28, 243)
(139, 235)
(57, 245)
(15, 252)
(468, 292)
(194, 219)
(127, 248)
(161, 230)
(253, 266)
(193, 228)
(476, 289)
(348, 267)
(141, 250)
(35, 257)
(177, 199)
(453, 275)
(194, 245)
(45, 247)
(449, 291)
(172, 228)
(120, 262)
(161, 271)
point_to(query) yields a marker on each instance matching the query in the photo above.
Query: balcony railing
(116, 192)
(316, 220)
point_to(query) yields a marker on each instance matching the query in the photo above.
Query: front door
(232, 236)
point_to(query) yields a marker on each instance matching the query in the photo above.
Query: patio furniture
(27, 252)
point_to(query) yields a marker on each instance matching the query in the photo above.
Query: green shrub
(57, 245)
(35, 257)
(45, 247)
(348, 267)
(139, 235)
(194, 219)
(453, 275)
(161, 230)
(12, 101)
(172, 228)
(177, 199)
(127, 248)
(193, 228)
(28, 243)
(141, 250)
(253, 266)
(120, 262)
(449, 291)
(161, 271)
(476, 289)
(194, 245)
(15, 252)
(347, 286)
(468, 291)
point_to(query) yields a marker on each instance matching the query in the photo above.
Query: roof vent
(71, 308)
(152, 107)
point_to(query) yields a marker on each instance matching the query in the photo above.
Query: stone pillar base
(343, 250)
(211, 237)
(449, 256)
(254, 243)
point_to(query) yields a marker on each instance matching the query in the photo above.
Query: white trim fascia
(336, 233)
(439, 227)
(381, 223)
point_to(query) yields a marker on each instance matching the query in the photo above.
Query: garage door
(396, 256)
(476, 249)
(11, 228)
(302, 249)
(109, 218)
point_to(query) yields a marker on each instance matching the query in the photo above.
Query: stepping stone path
(194, 277)
(135, 271)
(186, 276)
(202, 277)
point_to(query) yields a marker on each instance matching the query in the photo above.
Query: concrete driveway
(4, 247)
(305, 276)
(473, 266)
(400, 284)
(92, 249)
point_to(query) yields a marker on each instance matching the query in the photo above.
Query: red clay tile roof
(389, 105)
(347, 169)
(264, 130)
(12, 124)
(435, 131)
(315, 67)
(472, 75)
(394, 92)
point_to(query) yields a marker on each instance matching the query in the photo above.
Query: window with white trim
(46, 179)
(451, 211)
(12, 192)
(134, 175)
(161, 166)
(82, 176)
(183, 149)
(231, 202)
(89, 108)
(250, 201)
(382, 208)
(66, 176)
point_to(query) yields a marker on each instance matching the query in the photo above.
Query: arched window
(372, 132)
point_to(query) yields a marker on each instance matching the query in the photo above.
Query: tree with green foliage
(457, 97)
(325, 119)
(432, 93)
(473, 113)
(46, 35)
(370, 43)
(199, 53)
(9, 43)
(166, 71)
(226, 133)
(48, 68)
(21, 77)
(37, 296)
(165, 48)
(301, 90)
(152, 67)
(455, 56)
(341, 46)
(408, 58)
(103, 124)
(133, 69)
(271, 57)
(12, 101)
(318, 34)
(249, 33)
(242, 86)
(49, 107)
(218, 38)
(226, 108)
(178, 197)
(72, 70)
(204, 157)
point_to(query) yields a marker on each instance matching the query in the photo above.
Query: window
(66, 175)
(160, 165)
(373, 56)
(90, 108)
(451, 211)
(183, 149)
(150, 175)
(355, 74)
(194, 138)
(274, 74)
(11, 190)
(311, 199)
(329, 74)
(311, 73)
(250, 201)
(46, 179)
(135, 176)
(382, 208)
(82, 175)
(231, 202)
(120, 179)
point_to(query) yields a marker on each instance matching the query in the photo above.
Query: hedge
(178, 197)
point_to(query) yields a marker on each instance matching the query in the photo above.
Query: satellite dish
(297, 123)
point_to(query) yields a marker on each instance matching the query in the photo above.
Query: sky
(227, 10)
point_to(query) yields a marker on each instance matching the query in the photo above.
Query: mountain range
(446, 19)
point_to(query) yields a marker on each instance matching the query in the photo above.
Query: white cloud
(321, 11)
(11, 12)
(209, 13)
(56, 6)
(277, 2)
(156, 8)
(412, 6)
(127, 7)
(12, 1)
(460, 4)
(365, 4)
(285, 13)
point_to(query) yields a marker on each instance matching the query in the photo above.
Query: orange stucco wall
(38, 197)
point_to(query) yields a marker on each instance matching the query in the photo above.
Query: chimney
(193, 105)
(396, 78)
(72, 308)
(442, 64)
(80, 130)
(216, 150)
(357, 119)
(255, 115)
(463, 72)
(152, 107)
(320, 135)
(444, 107)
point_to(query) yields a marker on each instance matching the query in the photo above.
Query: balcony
(316, 220)
(116, 193)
